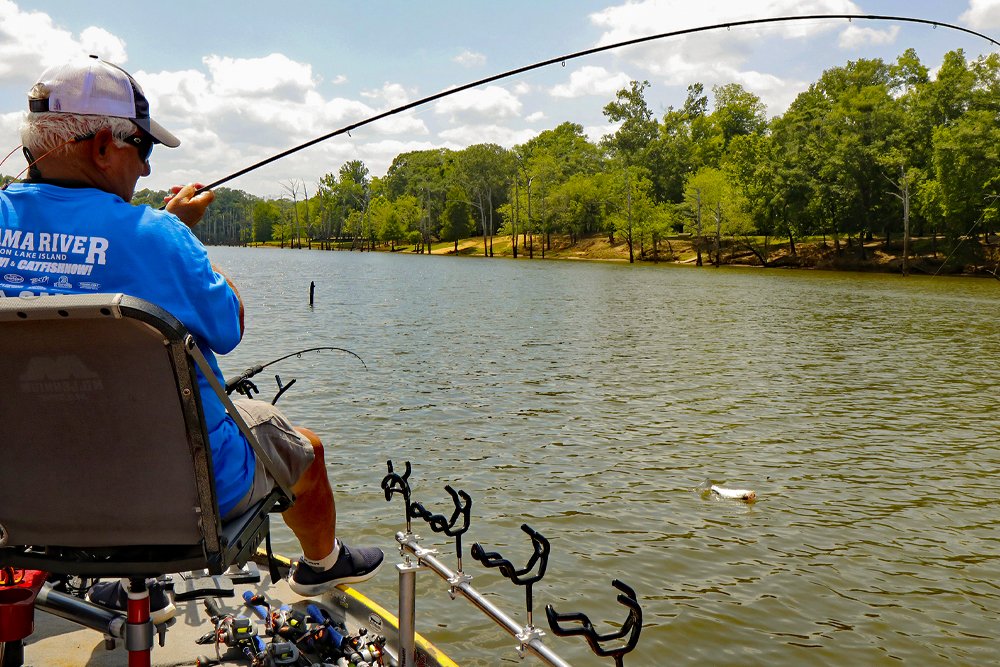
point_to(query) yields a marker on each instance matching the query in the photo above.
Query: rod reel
(243, 385)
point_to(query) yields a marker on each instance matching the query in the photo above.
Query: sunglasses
(142, 141)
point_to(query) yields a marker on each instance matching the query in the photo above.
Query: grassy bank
(972, 256)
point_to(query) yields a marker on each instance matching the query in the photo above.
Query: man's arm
(232, 286)
(191, 209)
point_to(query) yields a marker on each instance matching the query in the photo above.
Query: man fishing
(69, 228)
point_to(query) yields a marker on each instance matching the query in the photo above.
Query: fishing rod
(242, 383)
(586, 52)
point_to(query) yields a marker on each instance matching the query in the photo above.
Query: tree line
(870, 150)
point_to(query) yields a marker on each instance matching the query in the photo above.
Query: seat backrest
(104, 450)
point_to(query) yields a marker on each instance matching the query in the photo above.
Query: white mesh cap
(90, 86)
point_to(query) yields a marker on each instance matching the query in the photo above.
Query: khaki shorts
(290, 451)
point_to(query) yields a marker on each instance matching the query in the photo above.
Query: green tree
(409, 212)
(427, 175)
(266, 216)
(752, 167)
(737, 113)
(542, 165)
(227, 221)
(716, 208)
(966, 168)
(457, 217)
(484, 172)
(858, 132)
(147, 197)
(577, 205)
(634, 212)
(637, 130)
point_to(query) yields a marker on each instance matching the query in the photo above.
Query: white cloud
(9, 127)
(590, 80)
(492, 102)
(467, 135)
(274, 75)
(597, 132)
(390, 95)
(470, 59)
(636, 19)
(712, 58)
(982, 14)
(100, 42)
(776, 93)
(380, 154)
(31, 42)
(522, 88)
(239, 112)
(230, 113)
(854, 36)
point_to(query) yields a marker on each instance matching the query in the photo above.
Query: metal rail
(528, 636)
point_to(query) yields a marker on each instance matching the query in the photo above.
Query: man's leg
(297, 454)
(325, 562)
(313, 517)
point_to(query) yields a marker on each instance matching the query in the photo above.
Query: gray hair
(48, 131)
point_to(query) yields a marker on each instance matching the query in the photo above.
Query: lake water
(590, 400)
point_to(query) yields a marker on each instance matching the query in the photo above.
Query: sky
(239, 82)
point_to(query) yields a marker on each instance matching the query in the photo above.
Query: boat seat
(105, 466)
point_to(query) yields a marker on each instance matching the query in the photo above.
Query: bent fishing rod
(242, 382)
(587, 52)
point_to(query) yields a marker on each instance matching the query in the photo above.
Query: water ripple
(591, 401)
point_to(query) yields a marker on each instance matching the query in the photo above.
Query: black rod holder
(440, 524)
(394, 483)
(540, 555)
(282, 388)
(631, 627)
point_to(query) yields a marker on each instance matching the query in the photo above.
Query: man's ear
(100, 147)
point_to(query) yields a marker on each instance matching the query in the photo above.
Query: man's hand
(185, 205)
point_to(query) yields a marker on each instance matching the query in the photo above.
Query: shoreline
(972, 257)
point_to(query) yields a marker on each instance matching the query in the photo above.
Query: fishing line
(32, 161)
(579, 54)
(963, 239)
(8, 156)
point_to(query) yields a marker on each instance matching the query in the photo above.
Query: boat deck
(57, 642)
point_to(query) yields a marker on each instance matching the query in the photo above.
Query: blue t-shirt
(63, 240)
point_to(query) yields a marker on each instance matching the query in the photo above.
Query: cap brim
(159, 133)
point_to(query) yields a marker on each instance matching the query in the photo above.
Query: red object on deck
(137, 612)
(18, 590)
